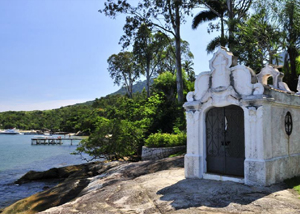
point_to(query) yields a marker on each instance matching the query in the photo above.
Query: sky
(54, 53)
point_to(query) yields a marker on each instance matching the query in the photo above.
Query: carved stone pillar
(255, 173)
(193, 158)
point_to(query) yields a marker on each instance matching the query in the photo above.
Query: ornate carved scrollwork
(224, 83)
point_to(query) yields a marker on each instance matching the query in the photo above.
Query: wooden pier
(52, 140)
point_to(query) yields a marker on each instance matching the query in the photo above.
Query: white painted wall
(269, 158)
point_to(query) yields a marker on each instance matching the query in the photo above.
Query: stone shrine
(239, 128)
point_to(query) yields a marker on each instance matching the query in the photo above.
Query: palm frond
(216, 42)
(203, 17)
(213, 44)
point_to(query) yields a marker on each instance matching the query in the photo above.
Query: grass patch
(293, 183)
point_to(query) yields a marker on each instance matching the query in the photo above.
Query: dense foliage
(257, 32)
(117, 124)
(126, 123)
(166, 140)
(68, 119)
(112, 139)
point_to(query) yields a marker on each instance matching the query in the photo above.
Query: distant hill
(88, 103)
(138, 87)
(66, 118)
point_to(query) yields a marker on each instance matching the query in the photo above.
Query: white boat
(10, 132)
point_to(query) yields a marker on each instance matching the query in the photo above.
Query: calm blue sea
(18, 156)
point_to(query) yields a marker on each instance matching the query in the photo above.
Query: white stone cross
(221, 77)
(220, 63)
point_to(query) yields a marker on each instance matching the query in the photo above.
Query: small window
(288, 123)
(270, 81)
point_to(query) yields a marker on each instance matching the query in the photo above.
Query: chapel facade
(239, 128)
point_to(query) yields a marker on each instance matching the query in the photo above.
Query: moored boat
(10, 131)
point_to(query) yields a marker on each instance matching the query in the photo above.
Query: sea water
(18, 156)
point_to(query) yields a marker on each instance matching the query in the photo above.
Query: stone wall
(159, 153)
(282, 152)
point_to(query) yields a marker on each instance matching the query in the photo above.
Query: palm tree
(234, 10)
(188, 67)
(216, 9)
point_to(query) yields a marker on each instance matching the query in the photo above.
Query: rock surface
(59, 173)
(169, 192)
(157, 187)
(77, 180)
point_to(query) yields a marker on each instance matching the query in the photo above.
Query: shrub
(166, 140)
(112, 140)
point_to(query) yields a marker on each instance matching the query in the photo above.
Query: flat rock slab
(169, 192)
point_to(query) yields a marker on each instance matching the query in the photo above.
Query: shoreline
(153, 187)
(56, 175)
(18, 157)
(40, 132)
(76, 178)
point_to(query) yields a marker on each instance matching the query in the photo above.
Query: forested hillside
(118, 125)
(78, 117)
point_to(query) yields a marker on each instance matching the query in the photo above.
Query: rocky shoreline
(148, 187)
(73, 179)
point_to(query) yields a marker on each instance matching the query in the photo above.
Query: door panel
(235, 153)
(215, 157)
(225, 147)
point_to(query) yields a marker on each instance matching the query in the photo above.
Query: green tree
(285, 14)
(230, 12)
(166, 83)
(123, 70)
(237, 11)
(260, 41)
(168, 59)
(289, 18)
(164, 15)
(188, 67)
(148, 51)
(113, 139)
(216, 10)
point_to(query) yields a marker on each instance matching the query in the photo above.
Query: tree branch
(164, 29)
(212, 9)
(171, 15)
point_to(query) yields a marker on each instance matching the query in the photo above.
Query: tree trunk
(292, 50)
(223, 43)
(293, 78)
(179, 80)
(130, 93)
(130, 86)
(148, 79)
(230, 24)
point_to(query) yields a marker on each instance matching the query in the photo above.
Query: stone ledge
(159, 153)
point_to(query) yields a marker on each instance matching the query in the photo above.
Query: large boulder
(82, 170)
